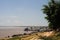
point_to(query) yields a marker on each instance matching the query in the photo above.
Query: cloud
(10, 21)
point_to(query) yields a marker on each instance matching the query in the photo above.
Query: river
(9, 31)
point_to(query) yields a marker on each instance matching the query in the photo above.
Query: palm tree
(52, 10)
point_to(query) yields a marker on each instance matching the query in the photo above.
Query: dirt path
(35, 36)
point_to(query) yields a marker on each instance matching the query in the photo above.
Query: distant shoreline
(23, 26)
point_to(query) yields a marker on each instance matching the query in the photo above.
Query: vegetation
(26, 29)
(15, 38)
(52, 10)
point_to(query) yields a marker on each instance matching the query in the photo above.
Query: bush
(46, 38)
(14, 38)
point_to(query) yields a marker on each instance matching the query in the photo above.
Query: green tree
(52, 11)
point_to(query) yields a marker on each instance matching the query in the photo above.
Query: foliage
(52, 11)
(46, 38)
(15, 38)
(26, 29)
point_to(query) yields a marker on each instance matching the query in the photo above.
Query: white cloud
(10, 21)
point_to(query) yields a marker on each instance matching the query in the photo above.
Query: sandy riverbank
(33, 36)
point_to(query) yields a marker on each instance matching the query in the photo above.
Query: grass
(15, 38)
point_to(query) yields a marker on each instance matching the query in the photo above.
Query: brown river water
(9, 31)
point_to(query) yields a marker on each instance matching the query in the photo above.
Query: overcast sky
(22, 13)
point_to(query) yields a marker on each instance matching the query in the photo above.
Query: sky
(22, 13)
